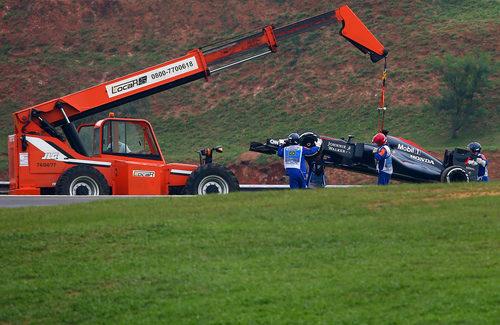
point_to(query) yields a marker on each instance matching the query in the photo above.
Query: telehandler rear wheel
(82, 180)
(211, 179)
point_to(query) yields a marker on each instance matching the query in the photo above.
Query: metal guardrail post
(4, 187)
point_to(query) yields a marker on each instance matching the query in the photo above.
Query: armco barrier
(4, 187)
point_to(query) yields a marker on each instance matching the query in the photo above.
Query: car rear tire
(82, 180)
(454, 174)
(211, 179)
(308, 139)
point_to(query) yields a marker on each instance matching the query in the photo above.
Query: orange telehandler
(121, 156)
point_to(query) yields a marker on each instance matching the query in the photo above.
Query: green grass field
(405, 254)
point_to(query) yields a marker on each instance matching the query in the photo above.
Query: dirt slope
(249, 172)
(51, 48)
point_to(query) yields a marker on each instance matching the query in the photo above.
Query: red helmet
(379, 139)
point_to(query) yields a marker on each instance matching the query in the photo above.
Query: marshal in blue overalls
(294, 161)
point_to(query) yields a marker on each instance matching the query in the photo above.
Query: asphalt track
(17, 201)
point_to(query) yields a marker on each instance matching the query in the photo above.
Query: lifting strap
(380, 122)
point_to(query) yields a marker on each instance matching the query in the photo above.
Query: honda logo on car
(422, 159)
(143, 173)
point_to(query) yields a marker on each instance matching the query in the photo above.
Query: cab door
(138, 162)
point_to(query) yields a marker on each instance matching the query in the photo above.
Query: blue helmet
(474, 147)
(294, 138)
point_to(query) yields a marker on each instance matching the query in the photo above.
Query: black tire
(211, 179)
(82, 180)
(454, 174)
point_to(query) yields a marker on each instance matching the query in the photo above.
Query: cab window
(86, 133)
(128, 138)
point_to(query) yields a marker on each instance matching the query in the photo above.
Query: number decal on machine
(46, 164)
(167, 71)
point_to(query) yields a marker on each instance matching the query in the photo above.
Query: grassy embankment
(406, 254)
(317, 81)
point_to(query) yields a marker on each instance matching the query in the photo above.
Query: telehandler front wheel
(82, 180)
(211, 179)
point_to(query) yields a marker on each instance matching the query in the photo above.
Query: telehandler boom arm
(43, 118)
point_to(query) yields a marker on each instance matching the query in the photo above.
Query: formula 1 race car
(411, 163)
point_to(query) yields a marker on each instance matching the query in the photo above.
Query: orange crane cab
(137, 164)
(121, 155)
(124, 159)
